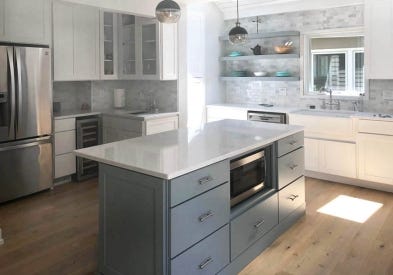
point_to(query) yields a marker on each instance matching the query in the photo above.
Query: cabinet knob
(205, 216)
(205, 180)
(205, 263)
(259, 224)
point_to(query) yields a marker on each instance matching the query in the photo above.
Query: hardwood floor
(55, 232)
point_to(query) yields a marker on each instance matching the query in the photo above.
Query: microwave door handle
(19, 88)
(11, 88)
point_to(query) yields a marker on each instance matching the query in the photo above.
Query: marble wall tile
(290, 93)
(72, 95)
(139, 94)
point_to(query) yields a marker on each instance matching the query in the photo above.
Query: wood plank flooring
(55, 232)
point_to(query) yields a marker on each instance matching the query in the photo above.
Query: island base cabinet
(253, 224)
(207, 257)
(291, 197)
(131, 223)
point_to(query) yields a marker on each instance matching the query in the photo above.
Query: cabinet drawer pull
(293, 167)
(205, 216)
(293, 142)
(259, 224)
(293, 197)
(205, 263)
(205, 180)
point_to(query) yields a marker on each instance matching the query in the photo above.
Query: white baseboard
(350, 181)
(1, 239)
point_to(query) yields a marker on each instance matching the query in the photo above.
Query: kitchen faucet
(331, 102)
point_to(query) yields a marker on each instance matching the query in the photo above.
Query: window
(334, 62)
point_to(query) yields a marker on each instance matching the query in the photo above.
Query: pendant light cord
(237, 9)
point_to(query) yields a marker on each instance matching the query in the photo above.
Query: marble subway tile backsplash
(72, 95)
(139, 94)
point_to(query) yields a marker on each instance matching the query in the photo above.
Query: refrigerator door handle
(36, 142)
(10, 56)
(19, 88)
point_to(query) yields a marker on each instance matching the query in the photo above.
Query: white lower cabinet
(331, 157)
(375, 157)
(65, 144)
(161, 125)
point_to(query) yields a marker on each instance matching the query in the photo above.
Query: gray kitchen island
(197, 201)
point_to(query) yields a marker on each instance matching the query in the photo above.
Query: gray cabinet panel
(132, 223)
(291, 197)
(290, 167)
(290, 143)
(194, 220)
(253, 224)
(199, 181)
(207, 257)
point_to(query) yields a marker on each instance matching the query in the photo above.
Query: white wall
(199, 65)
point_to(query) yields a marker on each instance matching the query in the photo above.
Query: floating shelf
(263, 78)
(256, 57)
(265, 35)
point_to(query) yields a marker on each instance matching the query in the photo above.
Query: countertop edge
(195, 167)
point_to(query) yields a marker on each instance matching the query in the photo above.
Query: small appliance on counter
(119, 98)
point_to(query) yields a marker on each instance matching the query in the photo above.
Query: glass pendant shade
(238, 35)
(168, 11)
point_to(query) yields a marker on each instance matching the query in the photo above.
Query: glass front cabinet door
(128, 66)
(109, 57)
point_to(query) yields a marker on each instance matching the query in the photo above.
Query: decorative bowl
(283, 49)
(260, 74)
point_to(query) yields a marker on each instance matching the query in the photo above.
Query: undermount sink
(331, 113)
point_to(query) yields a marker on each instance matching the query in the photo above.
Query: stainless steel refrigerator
(25, 121)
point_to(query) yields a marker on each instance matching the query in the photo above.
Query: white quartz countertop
(171, 154)
(114, 112)
(256, 107)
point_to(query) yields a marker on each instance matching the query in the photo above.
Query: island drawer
(253, 224)
(291, 197)
(195, 219)
(190, 185)
(205, 258)
(290, 143)
(290, 167)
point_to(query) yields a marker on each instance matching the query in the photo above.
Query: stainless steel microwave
(250, 174)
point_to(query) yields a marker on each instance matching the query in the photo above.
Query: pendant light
(238, 35)
(168, 11)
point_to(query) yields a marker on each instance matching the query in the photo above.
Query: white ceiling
(249, 8)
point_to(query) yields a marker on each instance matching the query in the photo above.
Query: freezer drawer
(25, 168)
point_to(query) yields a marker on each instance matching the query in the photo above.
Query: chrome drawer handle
(293, 197)
(205, 180)
(293, 142)
(293, 166)
(205, 263)
(259, 224)
(205, 216)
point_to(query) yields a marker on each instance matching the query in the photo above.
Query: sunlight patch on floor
(350, 208)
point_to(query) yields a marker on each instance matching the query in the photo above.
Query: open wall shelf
(257, 57)
(265, 35)
(264, 78)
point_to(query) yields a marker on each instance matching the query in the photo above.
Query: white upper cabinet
(379, 39)
(24, 21)
(75, 42)
(109, 39)
(147, 49)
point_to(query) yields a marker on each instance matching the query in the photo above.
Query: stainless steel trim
(246, 160)
(205, 216)
(266, 117)
(10, 55)
(259, 224)
(19, 79)
(35, 142)
(241, 197)
(205, 262)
